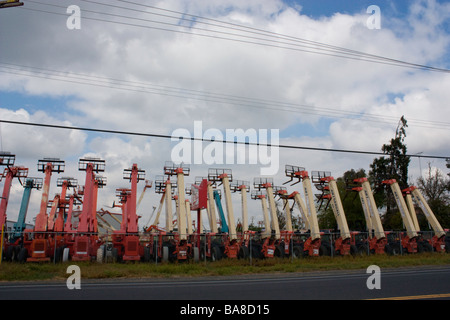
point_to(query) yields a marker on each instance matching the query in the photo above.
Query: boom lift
(408, 241)
(126, 240)
(267, 184)
(438, 240)
(244, 188)
(161, 240)
(263, 247)
(166, 188)
(181, 249)
(42, 247)
(313, 245)
(86, 241)
(223, 220)
(326, 183)
(19, 226)
(378, 242)
(210, 208)
(288, 242)
(270, 238)
(210, 243)
(258, 194)
(10, 172)
(231, 245)
(64, 201)
(57, 216)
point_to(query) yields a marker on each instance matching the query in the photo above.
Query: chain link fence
(160, 247)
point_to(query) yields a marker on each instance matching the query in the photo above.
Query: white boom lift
(231, 245)
(377, 236)
(326, 183)
(408, 241)
(438, 240)
(312, 245)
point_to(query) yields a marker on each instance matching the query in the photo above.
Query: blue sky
(318, 8)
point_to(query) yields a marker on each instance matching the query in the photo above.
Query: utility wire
(279, 35)
(136, 86)
(318, 48)
(172, 137)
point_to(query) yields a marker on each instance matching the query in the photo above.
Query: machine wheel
(243, 253)
(392, 249)
(58, 254)
(324, 250)
(363, 250)
(353, 250)
(196, 254)
(9, 254)
(65, 255)
(147, 255)
(279, 251)
(216, 255)
(165, 254)
(101, 254)
(297, 252)
(424, 246)
(23, 255)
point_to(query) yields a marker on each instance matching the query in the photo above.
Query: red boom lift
(42, 246)
(10, 172)
(127, 240)
(86, 241)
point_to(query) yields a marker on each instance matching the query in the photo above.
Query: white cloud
(333, 86)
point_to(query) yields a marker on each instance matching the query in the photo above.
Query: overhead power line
(165, 136)
(250, 35)
(183, 93)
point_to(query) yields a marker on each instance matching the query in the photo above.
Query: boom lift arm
(326, 183)
(267, 183)
(243, 187)
(257, 194)
(223, 220)
(410, 241)
(210, 208)
(8, 174)
(30, 183)
(313, 244)
(377, 236)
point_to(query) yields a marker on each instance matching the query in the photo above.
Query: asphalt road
(405, 283)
